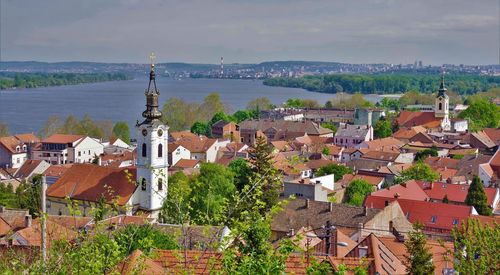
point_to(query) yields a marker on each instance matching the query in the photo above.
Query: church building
(437, 119)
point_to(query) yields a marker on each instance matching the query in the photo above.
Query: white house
(65, 149)
(351, 135)
(14, 149)
(177, 152)
(315, 188)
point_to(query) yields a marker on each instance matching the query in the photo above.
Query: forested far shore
(387, 83)
(9, 80)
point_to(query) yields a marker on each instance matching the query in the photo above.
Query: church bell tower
(441, 107)
(152, 160)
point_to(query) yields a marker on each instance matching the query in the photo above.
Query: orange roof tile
(186, 163)
(61, 138)
(88, 182)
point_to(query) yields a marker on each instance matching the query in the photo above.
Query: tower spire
(151, 113)
(442, 89)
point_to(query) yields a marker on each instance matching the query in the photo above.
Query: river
(25, 110)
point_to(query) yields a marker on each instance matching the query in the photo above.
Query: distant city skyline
(374, 31)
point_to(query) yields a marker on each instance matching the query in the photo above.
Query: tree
(143, 237)
(211, 105)
(4, 129)
(325, 151)
(242, 172)
(122, 131)
(338, 171)
(219, 116)
(382, 129)
(180, 115)
(294, 103)
(89, 128)
(419, 258)
(176, 208)
(260, 103)
(28, 195)
(329, 125)
(477, 197)
(201, 128)
(419, 171)
(356, 192)
(310, 103)
(264, 173)
(476, 247)
(241, 115)
(211, 191)
(421, 155)
(51, 126)
(328, 104)
(481, 114)
(106, 128)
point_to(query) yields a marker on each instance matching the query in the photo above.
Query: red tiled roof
(454, 192)
(410, 119)
(10, 143)
(383, 144)
(197, 145)
(380, 155)
(55, 231)
(423, 211)
(88, 182)
(182, 134)
(493, 134)
(410, 190)
(57, 170)
(186, 163)
(348, 178)
(27, 168)
(438, 162)
(27, 138)
(61, 138)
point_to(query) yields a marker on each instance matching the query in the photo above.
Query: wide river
(25, 110)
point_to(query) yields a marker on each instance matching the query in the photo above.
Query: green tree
(419, 258)
(421, 155)
(211, 191)
(176, 208)
(201, 128)
(260, 103)
(28, 195)
(122, 131)
(89, 128)
(241, 115)
(211, 105)
(328, 104)
(481, 114)
(325, 151)
(382, 129)
(242, 172)
(264, 172)
(338, 171)
(356, 192)
(4, 129)
(219, 116)
(419, 171)
(329, 125)
(180, 115)
(143, 237)
(294, 103)
(477, 197)
(476, 247)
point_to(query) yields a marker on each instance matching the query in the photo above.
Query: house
(376, 181)
(14, 149)
(67, 149)
(351, 135)
(87, 184)
(489, 173)
(388, 158)
(12, 220)
(483, 142)
(186, 164)
(31, 235)
(336, 116)
(416, 133)
(385, 261)
(280, 130)
(202, 148)
(410, 190)
(456, 193)
(177, 152)
(316, 189)
(224, 129)
(493, 134)
(122, 158)
(31, 168)
(355, 222)
(436, 217)
(388, 144)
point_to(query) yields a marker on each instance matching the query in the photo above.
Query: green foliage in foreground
(419, 171)
(33, 80)
(356, 192)
(419, 258)
(481, 114)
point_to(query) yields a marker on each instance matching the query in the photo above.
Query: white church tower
(152, 160)
(441, 108)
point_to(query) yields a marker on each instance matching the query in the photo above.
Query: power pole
(43, 220)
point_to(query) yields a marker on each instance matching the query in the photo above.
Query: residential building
(316, 189)
(226, 130)
(31, 168)
(367, 116)
(14, 150)
(352, 135)
(177, 152)
(67, 149)
(489, 173)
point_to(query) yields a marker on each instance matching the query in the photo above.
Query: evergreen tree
(419, 259)
(382, 128)
(477, 197)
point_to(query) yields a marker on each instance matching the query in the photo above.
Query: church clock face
(144, 132)
(160, 132)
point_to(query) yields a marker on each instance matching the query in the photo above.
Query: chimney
(2, 208)
(396, 195)
(27, 221)
(307, 203)
(330, 207)
(365, 211)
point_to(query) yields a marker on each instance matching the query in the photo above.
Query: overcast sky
(354, 31)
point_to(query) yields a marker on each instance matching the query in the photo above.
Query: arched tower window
(160, 184)
(144, 150)
(143, 184)
(160, 150)
(440, 106)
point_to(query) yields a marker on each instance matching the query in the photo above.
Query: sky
(201, 31)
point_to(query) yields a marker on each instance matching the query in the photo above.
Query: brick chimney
(330, 207)
(365, 211)
(27, 221)
(2, 208)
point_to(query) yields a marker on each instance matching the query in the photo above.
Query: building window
(433, 219)
(79, 153)
(160, 150)
(440, 106)
(144, 152)
(160, 184)
(455, 221)
(143, 184)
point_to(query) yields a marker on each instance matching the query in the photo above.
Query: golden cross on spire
(152, 57)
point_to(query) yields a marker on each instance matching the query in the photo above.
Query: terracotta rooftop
(410, 190)
(27, 168)
(57, 170)
(186, 163)
(454, 192)
(61, 138)
(493, 134)
(182, 134)
(196, 145)
(10, 143)
(380, 155)
(31, 236)
(382, 144)
(484, 139)
(410, 119)
(309, 127)
(88, 182)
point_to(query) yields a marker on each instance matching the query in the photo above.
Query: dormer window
(433, 219)
(455, 221)
(24, 147)
(18, 149)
